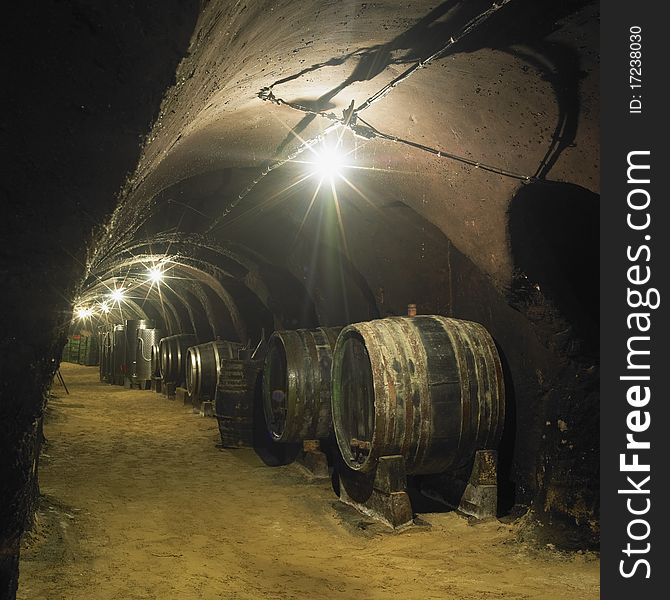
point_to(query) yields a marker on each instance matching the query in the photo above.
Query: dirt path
(139, 503)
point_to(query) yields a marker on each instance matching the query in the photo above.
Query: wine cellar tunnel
(210, 194)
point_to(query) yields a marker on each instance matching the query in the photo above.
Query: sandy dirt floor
(140, 503)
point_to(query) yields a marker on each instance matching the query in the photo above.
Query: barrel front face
(276, 385)
(296, 384)
(353, 400)
(163, 358)
(191, 369)
(156, 360)
(434, 385)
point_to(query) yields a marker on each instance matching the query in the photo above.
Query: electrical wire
(443, 154)
(469, 27)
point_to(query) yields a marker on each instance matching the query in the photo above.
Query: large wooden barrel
(172, 350)
(203, 366)
(147, 339)
(236, 392)
(156, 360)
(296, 384)
(429, 388)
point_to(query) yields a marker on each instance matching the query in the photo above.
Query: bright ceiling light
(117, 294)
(328, 162)
(104, 307)
(155, 275)
(84, 313)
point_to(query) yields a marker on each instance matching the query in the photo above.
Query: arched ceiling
(518, 92)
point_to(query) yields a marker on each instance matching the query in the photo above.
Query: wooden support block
(387, 500)
(480, 497)
(144, 384)
(206, 409)
(182, 395)
(313, 460)
(132, 383)
(311, 445)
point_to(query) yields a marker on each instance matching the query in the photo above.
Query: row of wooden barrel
(220, 372)
(429, 388)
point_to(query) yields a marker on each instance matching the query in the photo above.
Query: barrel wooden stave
(172, 350)
(432, 388)
(203, 365)
(156, 359)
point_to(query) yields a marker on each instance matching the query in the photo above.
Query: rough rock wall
(81, 87)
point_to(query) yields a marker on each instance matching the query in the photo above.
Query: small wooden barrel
(236, 391)
(203, 366)
(428, 388)
(156, 360)
(296, 384)
(172, 351)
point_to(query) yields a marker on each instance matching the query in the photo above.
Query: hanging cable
(467, 29)
(440, 153)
